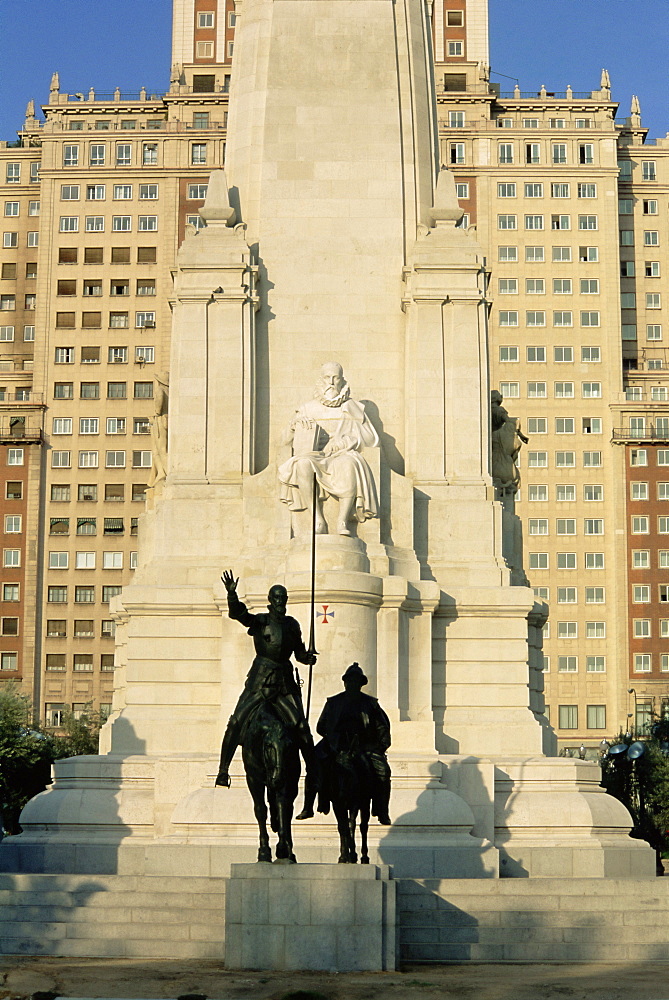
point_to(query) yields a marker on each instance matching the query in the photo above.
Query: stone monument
(332, 236)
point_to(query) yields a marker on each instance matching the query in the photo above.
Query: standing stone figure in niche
(327, 434)
(353, 769)
(159, 430)
(507, 440)
(268, 721)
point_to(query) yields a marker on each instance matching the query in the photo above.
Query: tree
(27, 751)
(26, 755)
(642, 784)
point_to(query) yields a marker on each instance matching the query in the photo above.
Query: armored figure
(271, 681)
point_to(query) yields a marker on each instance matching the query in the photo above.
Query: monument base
(317, 917)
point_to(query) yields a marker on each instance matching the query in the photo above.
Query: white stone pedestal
(332, 917)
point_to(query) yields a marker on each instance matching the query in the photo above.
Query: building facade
(571, 207)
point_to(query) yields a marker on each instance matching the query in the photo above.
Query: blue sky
(105, 43)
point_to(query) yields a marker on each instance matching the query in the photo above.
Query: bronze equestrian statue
(268, 721)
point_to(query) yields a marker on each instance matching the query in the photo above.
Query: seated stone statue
(327, 434)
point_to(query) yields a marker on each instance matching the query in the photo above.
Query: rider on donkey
(271, 680)
(353, 723)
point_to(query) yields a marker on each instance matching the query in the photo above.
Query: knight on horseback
(271, 679)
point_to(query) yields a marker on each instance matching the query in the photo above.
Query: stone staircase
(534, 920)
(109, 916)
(449, 920)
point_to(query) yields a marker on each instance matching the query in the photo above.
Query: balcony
(14, 429)
(651, 432)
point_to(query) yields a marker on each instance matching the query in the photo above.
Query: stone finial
(446, 208)
(543, 92)
(569, 92)
(54, 86)
(516, 91)
(636, 107)
(30, 109)
(117, 93)
(91, 94)
(217, 207)
(605, 80)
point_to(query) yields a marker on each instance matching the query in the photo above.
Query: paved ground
(121, 978)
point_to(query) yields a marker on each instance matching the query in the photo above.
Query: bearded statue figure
(327, 434)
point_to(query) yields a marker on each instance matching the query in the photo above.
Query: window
(591, 390)
(538, 526)
(662, 456)
(15, 456)
(627, 269)
(147, 223)
(116, 390)
(92, 255)
(639, 457)
(507, 254)
(61, 425)
(536, 354)
(108, 593)
(6, 334)
(146, 355)
(564, 425)
(537, 425)
(123, 154)
(537, 459)
(559, 190)
(587, 222)
(508, 286)
(591, 355)
(143, 390)
(563, 355)
(651, 238)
(150, 153)
(562, 286)
(507, 222)
(567, 630)
(88, 459)
(95, 224)
(115, 425)
(537, 493)
(114, 492)
(563, 390)
(559, 152)
(117, 355)
(141, 425)
(60, 459)
(649, 206)
(642, 663)
(141, 460)
(534, 222)
(596, 714)
(454, 49)
(11, 558)
(560, 222)
(461, 190)
(200, 119)
(112, 560)
(119, 320)
(532, 152)
(115, 460)
(91, 320)
(145, 320)
(567, 716)
(83, 661)
(648, 170)
(456, 119)
(508, 354)
(138, 491)
(198, 152)
(561, 255)
(146, 255)
(536, 390)
(653, 300)
(565, 526)
(122, 192)
(567, 664)
(12, 524)
(95, 192)
(534, 255)
(563, 318)
(565, 459)
(85, 560)
(641, 594)
(120, 224)
(534, 286)
(593, 526)
(593, 493)
(89, 425)
(456, 152)
(594, 595)
(567, 560)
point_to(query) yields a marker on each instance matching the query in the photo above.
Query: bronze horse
(272, 764)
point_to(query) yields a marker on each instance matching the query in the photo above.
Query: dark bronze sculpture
(353, 769)
(268, 721)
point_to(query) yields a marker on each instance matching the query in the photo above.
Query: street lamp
(632, 691)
